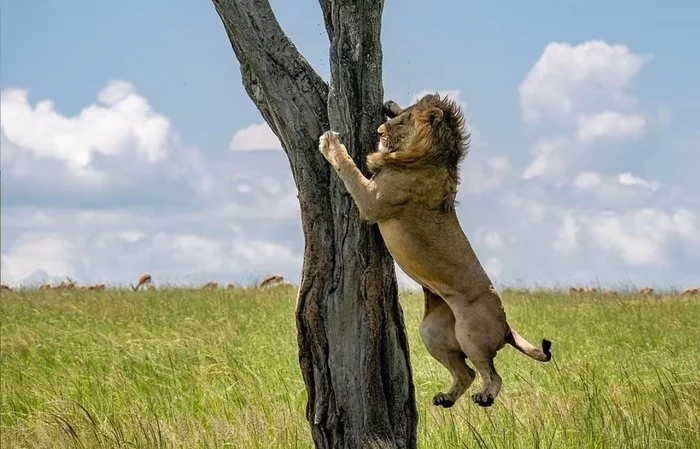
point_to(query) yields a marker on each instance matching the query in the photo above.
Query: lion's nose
(382, 129)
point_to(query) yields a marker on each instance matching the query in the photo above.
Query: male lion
(411, 196)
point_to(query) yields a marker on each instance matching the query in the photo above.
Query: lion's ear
(433, 116)
(391, 109)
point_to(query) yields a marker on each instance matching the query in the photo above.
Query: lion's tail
(527, 348)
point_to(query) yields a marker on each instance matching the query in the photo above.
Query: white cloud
(404, 282)
(112, 191)
(567, 236)
(492, 239)
(627, 179)
(494, 268)
(121, 123)
(479, 177)
(532, 210)
(568, 81)
(550, 158)
(51, 253)
(610, 124)
(610, 190)
(255, 137)
(587, 180)
(269, 256)
(582, 209)
(639, 237)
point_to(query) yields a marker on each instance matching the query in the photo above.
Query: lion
(411, 197)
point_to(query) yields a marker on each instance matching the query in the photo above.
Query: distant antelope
(96, 287)
(5, 287)
(143, 280)
(45, 286)
(646, 291)
(67, 284)
(271, 280)
(691, 291)
(230, 285)
(210, 285)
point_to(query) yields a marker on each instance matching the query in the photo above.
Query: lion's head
(430, 133)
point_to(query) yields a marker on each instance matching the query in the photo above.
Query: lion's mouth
(385, 145)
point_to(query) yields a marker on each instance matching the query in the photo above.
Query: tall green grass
(214, 369)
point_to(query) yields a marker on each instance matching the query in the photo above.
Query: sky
(128, 144)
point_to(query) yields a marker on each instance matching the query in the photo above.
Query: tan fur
(144, 280)
(67, 284)
(211, 285)
(691, 291)
(5, 287)
(273, 279)
(411, 196)
(646, 291)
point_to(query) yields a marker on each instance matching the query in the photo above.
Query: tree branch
(279, 80)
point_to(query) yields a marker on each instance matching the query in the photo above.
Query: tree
(353, 351)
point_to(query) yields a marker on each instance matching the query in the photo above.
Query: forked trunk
(353, 351)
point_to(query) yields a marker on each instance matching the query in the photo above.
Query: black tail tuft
(546, 348)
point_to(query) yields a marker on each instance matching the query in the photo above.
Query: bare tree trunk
(353, 351)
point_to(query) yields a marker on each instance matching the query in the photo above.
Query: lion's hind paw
(483, 399)
(443, 400)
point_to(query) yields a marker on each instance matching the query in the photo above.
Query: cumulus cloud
(641, 237)
(479, 176)
(572, 80)
(494, 268)
(121, 123)
(567, 235)
(255, 137)
(51, 254)
(112, 191)
(115, 151)
(628, 179)
(550, 158)
(603, 196)
(609, 124)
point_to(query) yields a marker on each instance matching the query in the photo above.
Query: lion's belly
(425, 259)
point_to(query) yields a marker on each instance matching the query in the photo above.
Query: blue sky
(129, 144)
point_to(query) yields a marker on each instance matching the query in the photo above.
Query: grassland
(191, 369)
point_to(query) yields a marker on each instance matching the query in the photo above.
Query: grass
(210, 369)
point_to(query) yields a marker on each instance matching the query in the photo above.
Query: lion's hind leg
(437, 332)
(492, 383)
(480, 340)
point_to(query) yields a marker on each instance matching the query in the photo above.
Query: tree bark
(353, 351)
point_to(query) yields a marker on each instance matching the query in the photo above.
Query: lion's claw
(443, 400)
(483, 399)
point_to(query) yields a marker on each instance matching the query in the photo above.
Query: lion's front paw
(483, 399)
(328, 142)
(443, 400)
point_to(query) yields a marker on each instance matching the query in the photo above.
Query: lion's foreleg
(362, 190)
